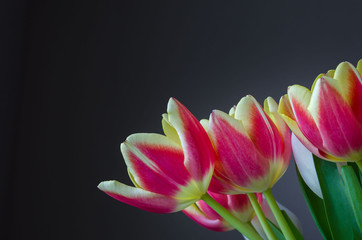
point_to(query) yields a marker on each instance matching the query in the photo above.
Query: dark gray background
(78, 77)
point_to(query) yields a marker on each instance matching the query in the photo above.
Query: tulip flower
(253, 149)
(238, 205)
(169, 172)
(252, 144)
(328, 119)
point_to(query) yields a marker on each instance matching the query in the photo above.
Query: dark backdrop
(78, 77)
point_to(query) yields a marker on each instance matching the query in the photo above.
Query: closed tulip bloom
(170, 172)
(328, 118)
(252, 144)
(238, 205)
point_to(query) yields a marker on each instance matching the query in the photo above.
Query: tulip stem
(287, 232)
(259, 213)
(359, 164)
(246, 229)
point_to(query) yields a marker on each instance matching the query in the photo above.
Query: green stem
(278, 215)
(259, 212)
(246, 229)
(359, 164)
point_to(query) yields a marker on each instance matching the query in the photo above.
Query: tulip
(169, 172)
(238, 205)
(252, 144)
(328, 119)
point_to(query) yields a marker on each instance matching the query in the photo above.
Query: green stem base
(259, 213)
(278, 215)
(246, 229)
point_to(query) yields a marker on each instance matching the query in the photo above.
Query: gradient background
(78, 77)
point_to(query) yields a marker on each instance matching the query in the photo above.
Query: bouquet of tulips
(220, 171)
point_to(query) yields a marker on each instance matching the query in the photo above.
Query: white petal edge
(305, 163)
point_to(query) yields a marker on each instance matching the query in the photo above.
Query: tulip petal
(350, 87)
(340, 130)
(304, 160)
(259, 127)
(330, 73)
(286, 112)
(198, 151)
(169, 131)
(240, 207)
(359, 67)
(142, 199)
(271, 109)
(232, 111)
(299, 98)
(205, 124)
(238, 157)
(198, 216)
(155, 162)
(220, 183)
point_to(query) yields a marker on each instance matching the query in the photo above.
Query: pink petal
(259, 127)
(286, 112)
(282, 161)
(214, 224)
(239, 205)
(142, 199)
(198, 151)
(350, 87)
(340, 130)
(238, 157)
(220, 183)
(155, 162)
(299, 98)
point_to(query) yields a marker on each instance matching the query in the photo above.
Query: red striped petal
(259, 127)
(238, 205)
(237, 155)
(286, 112)
(214, 224)
(142, 199)
(220, 183)
(350, 86)
(299, 98)
(156, 163)
(280, 164)
(340, 130)
(198, 151)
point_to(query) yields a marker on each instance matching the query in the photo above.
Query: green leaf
(338, 210)
(279, 235)
(316, 208)
(297, 234)
(354, 193)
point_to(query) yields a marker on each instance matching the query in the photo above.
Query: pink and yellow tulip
(169, 172)
(238, 205)
(328, 119)
(252, 144)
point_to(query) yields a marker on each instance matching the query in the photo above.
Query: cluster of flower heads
(244, 151)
